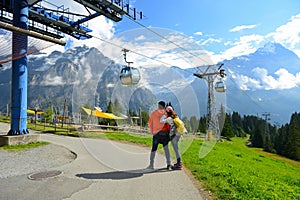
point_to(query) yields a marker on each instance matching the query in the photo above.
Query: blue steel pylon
(18, 123)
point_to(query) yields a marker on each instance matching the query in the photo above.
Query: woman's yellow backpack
(179, 125)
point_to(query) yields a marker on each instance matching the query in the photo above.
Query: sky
(224, 28)
(227, 28)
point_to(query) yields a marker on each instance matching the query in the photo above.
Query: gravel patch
(31, 160)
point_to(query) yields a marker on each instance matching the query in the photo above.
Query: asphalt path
(102, 169)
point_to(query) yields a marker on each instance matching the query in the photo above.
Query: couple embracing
(163, 129)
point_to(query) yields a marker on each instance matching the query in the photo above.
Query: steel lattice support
(19, 71)
(213, 131)
(212, 121)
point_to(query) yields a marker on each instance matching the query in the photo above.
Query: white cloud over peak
(288, 34)
(262, 80)
(244, 46)
(242, 27)
(284, 79)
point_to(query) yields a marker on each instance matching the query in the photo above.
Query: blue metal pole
(19, 70)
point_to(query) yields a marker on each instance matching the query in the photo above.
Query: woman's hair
(172, 114)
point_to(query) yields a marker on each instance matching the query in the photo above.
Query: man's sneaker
(169, 167)
(177, 167)
(150, 167)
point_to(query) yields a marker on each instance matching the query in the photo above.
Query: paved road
(102, 170)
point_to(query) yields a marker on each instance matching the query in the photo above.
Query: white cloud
(263, 80)
(246, 45)
(297, 51)
(198, 33)
(103, 28)
(247, 83)
(242, 27)
(177, 50)
(210, 40)
(142, 37)
(288, 34)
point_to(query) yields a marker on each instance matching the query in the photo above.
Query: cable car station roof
(54, 22)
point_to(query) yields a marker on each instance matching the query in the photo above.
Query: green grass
(233, 171)
(230, 170)
(4, 119)
(19, 147)
(69, 131)
(121, 136)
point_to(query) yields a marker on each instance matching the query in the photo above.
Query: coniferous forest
(284, 140)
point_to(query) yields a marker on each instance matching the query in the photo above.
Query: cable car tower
(210, 75)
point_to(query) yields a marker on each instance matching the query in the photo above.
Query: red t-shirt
(154, 122)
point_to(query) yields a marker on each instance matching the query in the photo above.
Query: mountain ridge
(85, 76)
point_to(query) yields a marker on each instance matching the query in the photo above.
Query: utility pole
(140, 113)
(267, 143)
(7, 111)
(212, 122)
(267, 118)
(63, 116)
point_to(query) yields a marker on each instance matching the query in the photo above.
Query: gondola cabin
(130, 76)
(220, 86)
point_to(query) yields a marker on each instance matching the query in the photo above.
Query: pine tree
(48, 114)
(194, 123)
(202, 125)
(145, 118)
(228, 130)
(257, 135)
(236, 119)
(293, 141)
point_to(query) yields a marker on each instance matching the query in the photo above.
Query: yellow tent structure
(97, 113)
(34, 112)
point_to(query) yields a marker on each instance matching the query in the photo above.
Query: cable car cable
(135, 52)
(168, 64)
(163, 37)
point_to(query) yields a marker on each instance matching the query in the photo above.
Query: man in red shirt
(160, 134)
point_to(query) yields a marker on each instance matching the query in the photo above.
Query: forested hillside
(284, 140)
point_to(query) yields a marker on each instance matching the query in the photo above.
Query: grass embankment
(19, 147)
(48, 128)
(233, 171)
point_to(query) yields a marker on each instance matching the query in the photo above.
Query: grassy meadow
(231, 170)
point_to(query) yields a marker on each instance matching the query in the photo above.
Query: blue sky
(216, 17)
(225, 28)
(217, 24)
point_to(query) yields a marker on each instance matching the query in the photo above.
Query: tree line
(284, 140)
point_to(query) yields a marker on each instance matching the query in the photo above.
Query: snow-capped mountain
(264, 81)
(267, 80)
